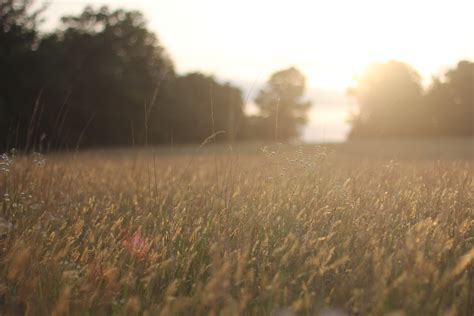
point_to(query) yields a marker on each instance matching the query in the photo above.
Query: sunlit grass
(229, 232)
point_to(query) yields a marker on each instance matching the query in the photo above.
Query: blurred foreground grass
(364, 228)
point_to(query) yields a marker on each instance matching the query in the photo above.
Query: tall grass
(271, 233)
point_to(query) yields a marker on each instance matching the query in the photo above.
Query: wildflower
(39, 159)
(5, 162)
(136, 246)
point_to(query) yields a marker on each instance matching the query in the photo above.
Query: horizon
(246, 54)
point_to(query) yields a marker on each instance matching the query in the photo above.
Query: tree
(282, 111)
(105, 72)
(18, 37)
(450, 102)
(103, 79)
(388, 96)
(200, 107)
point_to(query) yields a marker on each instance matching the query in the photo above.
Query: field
(357, 229)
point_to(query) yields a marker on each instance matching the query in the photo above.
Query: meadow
(351, 229)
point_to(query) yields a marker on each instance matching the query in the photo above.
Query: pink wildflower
(136, 246)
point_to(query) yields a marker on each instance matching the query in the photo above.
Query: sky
(330, 41)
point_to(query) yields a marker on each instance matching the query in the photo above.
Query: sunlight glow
(329, 40)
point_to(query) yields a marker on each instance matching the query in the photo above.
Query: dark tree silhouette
(282, 111)
(18, 37)
(104, 72)
(201, 107)
(103, 79)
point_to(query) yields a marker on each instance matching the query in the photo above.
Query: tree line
(103, 79)
(392, 102)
